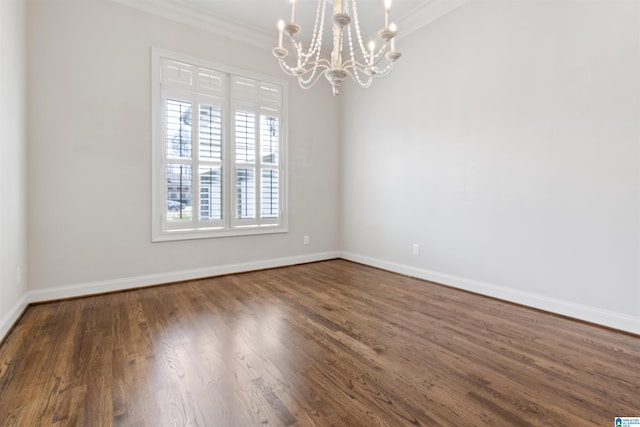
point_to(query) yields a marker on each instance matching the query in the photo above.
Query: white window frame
(229, 100)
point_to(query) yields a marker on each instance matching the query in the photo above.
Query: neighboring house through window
(219, 157)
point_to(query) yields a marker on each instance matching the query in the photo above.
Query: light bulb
(387, 6)
(372, 49)
(393, 27)
(280, 28)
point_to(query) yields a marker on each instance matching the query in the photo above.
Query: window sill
(168, 236)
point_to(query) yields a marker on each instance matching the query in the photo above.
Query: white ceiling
(254, 21)
(262, 15)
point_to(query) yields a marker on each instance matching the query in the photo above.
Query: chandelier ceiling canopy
(349, 55)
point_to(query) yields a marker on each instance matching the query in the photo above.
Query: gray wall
(506, 144)
(13, 146)
(90, 166)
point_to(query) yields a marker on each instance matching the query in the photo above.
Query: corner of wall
(13, 168)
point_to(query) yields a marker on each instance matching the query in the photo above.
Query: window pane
(245, 137)
(178, 192)
(269, 193)
(245, 193)
(178, 122)
(269, 139)
(210, 193)
(210, 132)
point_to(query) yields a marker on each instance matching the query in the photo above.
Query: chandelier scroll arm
(362, 67)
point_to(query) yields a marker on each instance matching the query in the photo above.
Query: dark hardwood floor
(325, 344)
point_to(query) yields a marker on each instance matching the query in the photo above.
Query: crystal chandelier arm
(300, 72)
(315, 48)
(296, 71)
(286, 68)
(306, 84)
(353, 64)
(380, 54)
(362, 66)
(383, 72)
(355, 75)
(317, 63)
(322, 64)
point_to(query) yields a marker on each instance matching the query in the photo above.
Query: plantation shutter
(218, 169)
(257, 142)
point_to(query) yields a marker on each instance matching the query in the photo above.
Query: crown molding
(425, 14)
(189, 13)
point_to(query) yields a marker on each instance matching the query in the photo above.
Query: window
(218, 150)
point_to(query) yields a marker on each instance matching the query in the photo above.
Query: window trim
(231, 226)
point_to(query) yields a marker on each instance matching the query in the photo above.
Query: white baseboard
(595, 315)
(84, 289)
(12, 316)
(565, 308)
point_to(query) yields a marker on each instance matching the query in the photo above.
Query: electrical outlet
(306, 239)
(416, 249)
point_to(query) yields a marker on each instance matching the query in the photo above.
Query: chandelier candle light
(363, 64)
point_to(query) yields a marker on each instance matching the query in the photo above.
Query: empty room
(320, 213)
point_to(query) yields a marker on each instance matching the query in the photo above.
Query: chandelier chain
(316, 41)
(356, 73)
(363, 49)
(305, 83)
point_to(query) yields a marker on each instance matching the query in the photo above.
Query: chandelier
(362, 63)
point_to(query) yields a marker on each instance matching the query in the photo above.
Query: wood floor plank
(325, 344)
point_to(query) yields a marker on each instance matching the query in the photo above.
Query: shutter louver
(178, 192)
(210, 193)
(269, 201)
(245, 193)
(245, 137)
(210, 132)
